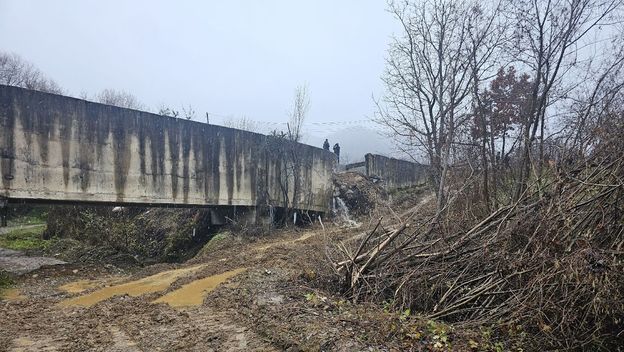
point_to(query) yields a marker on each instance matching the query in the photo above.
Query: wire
(325, 123)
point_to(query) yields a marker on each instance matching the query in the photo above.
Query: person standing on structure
(337, 151)
(326, 144)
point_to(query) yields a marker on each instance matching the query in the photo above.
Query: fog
(228, 58)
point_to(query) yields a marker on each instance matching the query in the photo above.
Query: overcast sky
(228, 57)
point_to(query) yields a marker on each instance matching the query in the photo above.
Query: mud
(12, 294)
(80, 286)
(69, 308)
(192, 294)
(23, 344)
(21, 264)
(150, 284)
(287, 242)
(244, 294)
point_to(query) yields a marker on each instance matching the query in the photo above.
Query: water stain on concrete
(192, 294)
(150, 284)
(61, 148)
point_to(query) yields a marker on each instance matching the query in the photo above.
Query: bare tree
(498, 111)
(298, 113)
(551, 39)
(242, 123)
(15, 71)
(599, 94)
(186, 112)
(285, 146)
(189, 112)
(165, 110)
(444, 48)
(119, 98)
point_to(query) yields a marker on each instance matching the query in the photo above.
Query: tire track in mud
(117, 317)
(192, 294)
(151, 284)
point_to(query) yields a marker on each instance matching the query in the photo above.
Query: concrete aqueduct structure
(61, 149)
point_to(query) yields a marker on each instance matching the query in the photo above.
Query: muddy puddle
(84, 285)
(12, 294)
(192, 294)
(155, 283)
(79, 286)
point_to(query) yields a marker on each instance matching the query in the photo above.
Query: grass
(24, 238)
(35, 215)
(6, 280)
(214, 243)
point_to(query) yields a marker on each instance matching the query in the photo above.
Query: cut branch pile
(551, 263)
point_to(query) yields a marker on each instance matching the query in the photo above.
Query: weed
(24, 238)
(6, 280)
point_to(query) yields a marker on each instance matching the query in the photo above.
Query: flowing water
(341, 211)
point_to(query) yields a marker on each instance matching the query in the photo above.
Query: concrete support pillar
(4, 211)
(246, 215)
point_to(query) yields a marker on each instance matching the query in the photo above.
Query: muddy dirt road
(212, 303)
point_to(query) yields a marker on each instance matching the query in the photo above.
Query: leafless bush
(243, 123)
(550, 263)
(121, 99)
(16, 71)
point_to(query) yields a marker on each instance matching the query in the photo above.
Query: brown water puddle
(84, 285)
(302, 238)
(150, 284)
(79, 286)
(192, 294)
(12, 294)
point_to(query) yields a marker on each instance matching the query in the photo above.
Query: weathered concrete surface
(59, 148)
(394, 173)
